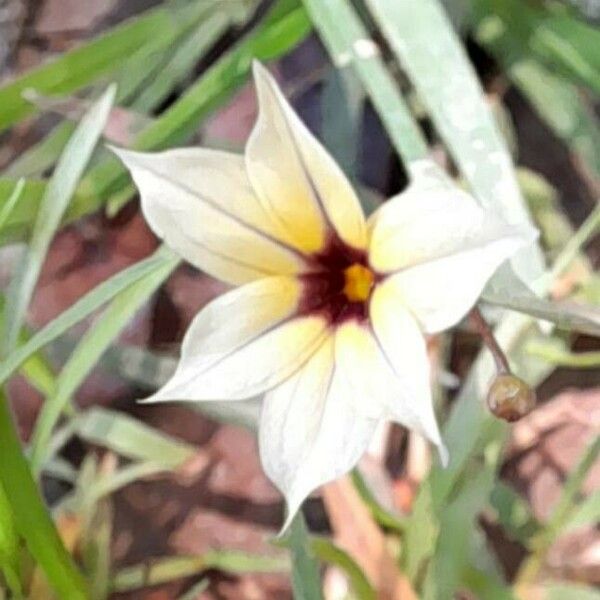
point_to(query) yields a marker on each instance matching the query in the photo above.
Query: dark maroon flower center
(340, 285)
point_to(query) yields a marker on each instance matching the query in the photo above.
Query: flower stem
(487, 336)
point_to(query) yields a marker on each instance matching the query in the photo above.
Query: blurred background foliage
(99, 498)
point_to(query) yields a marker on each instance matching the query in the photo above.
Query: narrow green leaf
(31, 517)
(508, 291)
(351, 46)
(306, 582)
(131, 438)
(11, 202)
(569, 591)
(585, 514)
(90, 348)
(185, 57)
(449, 88)
(81, 66)
(54, 203)
(329, 553)
(268, 41)
(557, 101)
(9, 547)
(89, 303)
(177, 567)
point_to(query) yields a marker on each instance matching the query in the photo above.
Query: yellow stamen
(359, 281)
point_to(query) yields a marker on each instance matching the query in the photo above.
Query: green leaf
(569, 591)
(557, 101)
(56, 198)
(513, 513)
(586, 513)
(90, 348)
(131, 438)
(89, 303)
(448, 87)
(183, 60)
(351, 46)
(306, 582)
(329, 553)
(178, 567)
(9, 547)
(80, 67)
(508, 291)
(11, 202)
(567, 45)
(31, 517)
(177, 124)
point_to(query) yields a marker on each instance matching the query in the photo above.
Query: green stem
(31, 516)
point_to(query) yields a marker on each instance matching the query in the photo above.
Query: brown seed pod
(510, 398)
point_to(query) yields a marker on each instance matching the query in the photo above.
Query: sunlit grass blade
(350, 46)
(31, 517)
(53, 205)
(81, 66)
(131, 438)
(90, 348)
(89, 303)
(449, 89)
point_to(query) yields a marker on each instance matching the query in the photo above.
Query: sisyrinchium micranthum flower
(329, 310)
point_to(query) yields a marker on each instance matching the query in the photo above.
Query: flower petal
(309, 432)
(243, 343)
(439, 249)
(385, 365)
(296, 178)
(434, 219)
(201, 203)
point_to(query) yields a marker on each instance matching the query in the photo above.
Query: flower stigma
(358, 282)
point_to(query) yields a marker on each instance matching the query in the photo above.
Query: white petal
(385, 365)
(244, 342)
(296, 178)
(439, 249)
(434, 219)
(310, 432)
(201, 203)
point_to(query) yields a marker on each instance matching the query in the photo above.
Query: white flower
(329, 315)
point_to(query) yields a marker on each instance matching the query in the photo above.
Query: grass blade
(81, 66)
(270, 40)
(177, 567)
(448, 86)
(93, 300)
(306, 582)
(11, 202)
(90, 348)
(351, 46)
(54, 203)
(557, 101)
(31, 517)
(329, 553)
(128, 437)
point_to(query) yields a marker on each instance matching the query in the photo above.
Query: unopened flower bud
(510, 398)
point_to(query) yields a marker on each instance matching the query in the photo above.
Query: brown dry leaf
(57, 16)
(357, 533)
